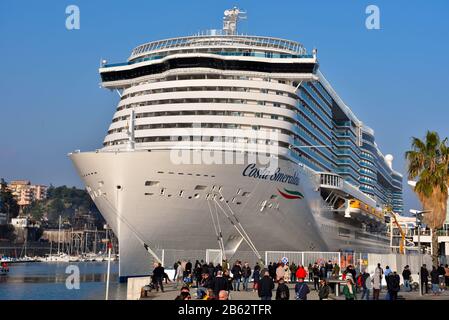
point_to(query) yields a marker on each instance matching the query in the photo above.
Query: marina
(47, 281)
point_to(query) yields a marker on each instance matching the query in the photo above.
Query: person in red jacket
(301, 272)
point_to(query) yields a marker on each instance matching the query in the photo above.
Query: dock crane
(389, 211)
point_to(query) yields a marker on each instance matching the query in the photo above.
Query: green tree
(428, 162)
(7, 232)
(36, 209)
(8, 203)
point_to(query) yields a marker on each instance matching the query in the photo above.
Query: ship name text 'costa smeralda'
(235, 142)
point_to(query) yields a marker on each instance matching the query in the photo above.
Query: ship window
(151, 183)
(343, 232)
(149, 193)
(199, 187)
(245, 194)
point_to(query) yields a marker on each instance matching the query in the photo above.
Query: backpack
(298, 294)
(359, 281)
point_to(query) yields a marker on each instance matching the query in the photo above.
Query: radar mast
(230, 19)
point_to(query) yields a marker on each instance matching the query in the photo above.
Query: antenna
(230, 19)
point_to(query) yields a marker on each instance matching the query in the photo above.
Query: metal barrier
(214, 255)
(303, 257)
(170, 256)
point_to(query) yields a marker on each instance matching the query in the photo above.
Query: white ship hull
(181, 219)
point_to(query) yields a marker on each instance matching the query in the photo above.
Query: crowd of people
(438, 276)
(216, 282)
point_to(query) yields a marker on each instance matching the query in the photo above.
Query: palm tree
(428, 161)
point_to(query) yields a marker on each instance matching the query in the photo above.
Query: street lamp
(418, 214)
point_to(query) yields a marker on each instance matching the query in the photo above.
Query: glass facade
(352, 151)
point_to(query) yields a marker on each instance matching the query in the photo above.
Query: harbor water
(47, 281)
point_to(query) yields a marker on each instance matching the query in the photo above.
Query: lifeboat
(364, 212)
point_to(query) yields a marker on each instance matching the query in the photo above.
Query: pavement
(170, 293)
(403, 295)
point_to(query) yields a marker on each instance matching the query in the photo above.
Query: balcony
(331, 181)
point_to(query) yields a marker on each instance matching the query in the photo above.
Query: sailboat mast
(59, 235)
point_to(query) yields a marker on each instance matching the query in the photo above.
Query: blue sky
(394, 79)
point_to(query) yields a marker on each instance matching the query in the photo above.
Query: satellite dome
(389, 160)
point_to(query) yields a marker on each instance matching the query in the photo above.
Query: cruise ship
(235, 142)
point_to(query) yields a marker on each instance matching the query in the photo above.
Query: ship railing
(441, 233)
(208, 40)
(330, 180)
